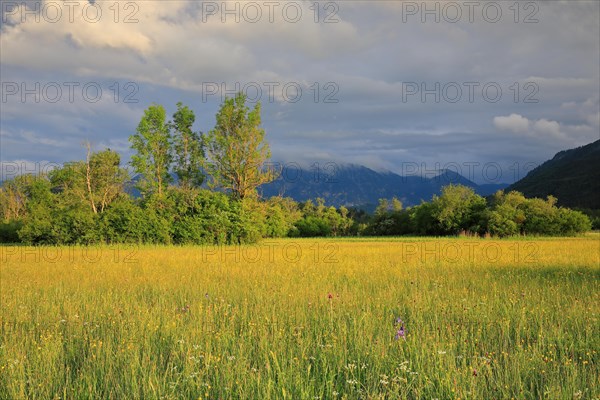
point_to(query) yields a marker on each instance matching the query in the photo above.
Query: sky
(487, 89)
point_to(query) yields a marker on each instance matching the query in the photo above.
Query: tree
(573, 222)
(237, 149)
(153, 151)
(96, 182)
(188, 149)
(506, 215)
(390, 219)
(280, 216)
(14, 194)
(541, 217)
(105, 178)
(396, 205)
(458, 208)
(382, 208)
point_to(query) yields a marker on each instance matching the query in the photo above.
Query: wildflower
(401, 333)
(329, 296)
(474, 372)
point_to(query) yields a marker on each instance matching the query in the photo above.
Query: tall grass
(303, 319)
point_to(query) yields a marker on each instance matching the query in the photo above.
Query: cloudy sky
(386, 84)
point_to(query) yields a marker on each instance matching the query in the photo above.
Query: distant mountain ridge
(359, 186)
(572, 176)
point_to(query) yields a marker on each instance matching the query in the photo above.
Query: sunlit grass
(303, 319)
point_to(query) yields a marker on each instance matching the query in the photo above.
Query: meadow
(451, 318)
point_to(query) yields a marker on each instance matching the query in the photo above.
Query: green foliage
(423, 219)
(84, 202)
(312, 226)
(9, 231)
(200, 217)
(281, 215)
(573, 222)
(153, 151)
(126, 222)
(188, 148)
(391, 223)
(506, 215)
(106, 178)
(14, 194)
(320, 220)
(59, 220)
(95, 182)
(37, 224)
(593, 215)
(458, 208)
(237, 149)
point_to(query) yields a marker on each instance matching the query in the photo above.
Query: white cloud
(541, 128)
(546, 127)
(514, 122)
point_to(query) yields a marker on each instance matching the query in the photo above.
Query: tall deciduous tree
(97, 181)
(153, 151)
(237, 149)
(105, 179)
(188, 149)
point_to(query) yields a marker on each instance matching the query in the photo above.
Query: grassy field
(304, 319)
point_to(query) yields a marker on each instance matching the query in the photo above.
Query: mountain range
(572, 176)
(362, 187)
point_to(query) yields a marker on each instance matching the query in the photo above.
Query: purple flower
(401, 333)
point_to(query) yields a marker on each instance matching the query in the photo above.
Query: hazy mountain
(359, 186)
(572, 176)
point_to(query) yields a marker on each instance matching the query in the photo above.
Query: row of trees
(91, 201)
(460, 210)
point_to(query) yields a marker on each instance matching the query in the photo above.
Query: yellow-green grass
(303, 319)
